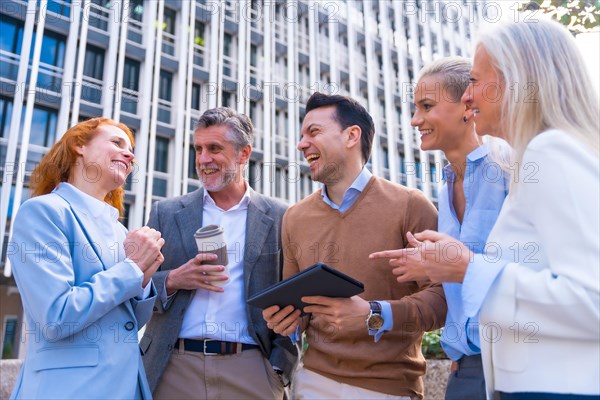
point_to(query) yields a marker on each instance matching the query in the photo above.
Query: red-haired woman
(84, 281)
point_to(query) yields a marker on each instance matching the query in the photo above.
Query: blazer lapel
(95, 238)
(258, 225)
(91, 230)
(189, 220)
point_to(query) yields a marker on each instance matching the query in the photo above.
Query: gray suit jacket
(178, 219)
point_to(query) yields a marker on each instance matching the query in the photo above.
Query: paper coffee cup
(211, 239)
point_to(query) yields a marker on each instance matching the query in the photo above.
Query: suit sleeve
(42, 251)
(425, 309)
(143, 308)
(285, 353)
(160, 276)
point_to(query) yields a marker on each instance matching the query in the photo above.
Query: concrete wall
(8, 374)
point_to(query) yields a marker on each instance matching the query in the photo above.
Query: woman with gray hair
(537, 285)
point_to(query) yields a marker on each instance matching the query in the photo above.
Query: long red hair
(56, 165)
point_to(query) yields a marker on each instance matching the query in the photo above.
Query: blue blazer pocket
(65, 357)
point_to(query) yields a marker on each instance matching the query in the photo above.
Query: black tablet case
(317, 280)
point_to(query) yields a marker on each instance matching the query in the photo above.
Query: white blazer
(538, 285)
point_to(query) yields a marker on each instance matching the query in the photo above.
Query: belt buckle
(204, 348)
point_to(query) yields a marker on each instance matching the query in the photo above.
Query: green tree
(578, 15)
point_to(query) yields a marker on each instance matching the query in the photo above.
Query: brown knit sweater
(378, 220)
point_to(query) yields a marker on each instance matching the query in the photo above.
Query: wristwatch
(374, 320)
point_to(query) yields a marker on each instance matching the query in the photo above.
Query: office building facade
(156, 65)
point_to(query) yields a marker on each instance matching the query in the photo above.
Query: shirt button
(129, 326)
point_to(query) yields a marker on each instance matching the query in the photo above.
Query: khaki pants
(192, 375)
(310, 385)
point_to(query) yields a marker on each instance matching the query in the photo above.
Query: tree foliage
(578, 15)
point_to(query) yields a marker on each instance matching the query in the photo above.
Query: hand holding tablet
(318, 280)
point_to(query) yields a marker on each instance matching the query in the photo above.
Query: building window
(165, 86)
(386, 158)
(61, 7)
(227, 99)
(136, 9)
(169, 21)
(12, 35)
(196, 96)
(5, 115)
(253, 55)
(254, 173)
(227, 45)
(131, 74)
(199, 34)
(94, 62)
(43, 126)
(126, 213)
(131, 83)
(165, 95)
(161, 162)
(168, 44)
(53, 53)
(10, 334)
(161, 165)
(192, 173)
(53, 49)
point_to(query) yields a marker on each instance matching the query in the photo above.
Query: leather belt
(211, 347)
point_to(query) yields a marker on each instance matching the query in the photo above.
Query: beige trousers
(192, 375)
(310, 385)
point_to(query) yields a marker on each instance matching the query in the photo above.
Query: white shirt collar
(243, 203)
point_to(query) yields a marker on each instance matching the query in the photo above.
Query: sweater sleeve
(425, 309)
(290, 250)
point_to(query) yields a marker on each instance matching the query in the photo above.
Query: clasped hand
(142, 246)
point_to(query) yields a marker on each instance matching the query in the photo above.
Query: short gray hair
(240, 132)
(454, 73)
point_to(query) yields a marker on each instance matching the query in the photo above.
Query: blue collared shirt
(485, 186)
(350, 196)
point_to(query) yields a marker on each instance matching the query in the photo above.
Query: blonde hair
(546, 84)
(454, 73)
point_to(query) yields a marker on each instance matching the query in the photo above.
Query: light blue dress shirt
(348, 200)
(485, 186)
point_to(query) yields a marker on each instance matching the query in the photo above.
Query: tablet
(318, 280)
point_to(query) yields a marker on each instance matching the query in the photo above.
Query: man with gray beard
(203, 341)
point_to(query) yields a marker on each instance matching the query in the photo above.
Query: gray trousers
(467, 383)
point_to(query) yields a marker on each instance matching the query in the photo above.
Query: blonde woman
(537, 286)
(469, 204)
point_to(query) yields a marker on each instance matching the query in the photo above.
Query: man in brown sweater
(366, 346)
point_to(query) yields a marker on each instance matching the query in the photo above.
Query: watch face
(375, 322)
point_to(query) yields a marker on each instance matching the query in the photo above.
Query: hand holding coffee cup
(211, 239)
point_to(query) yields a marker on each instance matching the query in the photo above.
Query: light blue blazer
(79, 296)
